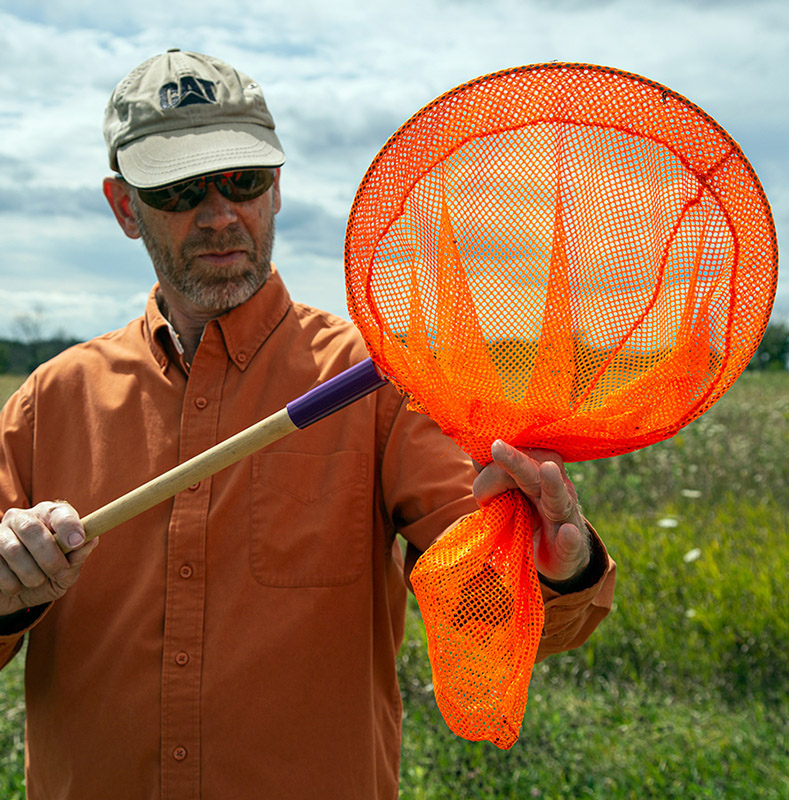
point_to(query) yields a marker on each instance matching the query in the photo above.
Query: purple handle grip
(336, 393)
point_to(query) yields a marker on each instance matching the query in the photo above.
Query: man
(239, 640)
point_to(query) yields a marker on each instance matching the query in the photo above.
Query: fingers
(28, 549)
(562, 552)
(539, 474)
(561, 540)
(557, 505)
(29, 553)
(492, 481)
(64, 523)
(10, 585)
(76, 558)
(510, 469)
(521, 465)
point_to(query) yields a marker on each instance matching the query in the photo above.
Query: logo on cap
(188, 91)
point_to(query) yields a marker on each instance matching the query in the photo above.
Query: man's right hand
(33, 568)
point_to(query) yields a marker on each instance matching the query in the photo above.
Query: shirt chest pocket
(311, 518)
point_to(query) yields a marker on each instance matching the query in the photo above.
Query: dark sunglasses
(237, 186)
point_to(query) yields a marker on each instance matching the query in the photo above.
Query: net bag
(563, 256)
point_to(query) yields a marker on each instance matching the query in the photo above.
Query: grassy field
(8, 385)
(683, 692)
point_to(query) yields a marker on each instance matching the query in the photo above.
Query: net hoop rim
(706, 123)
(556, 65)
(575, 66)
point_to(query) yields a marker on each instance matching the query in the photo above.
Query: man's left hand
(561, 539)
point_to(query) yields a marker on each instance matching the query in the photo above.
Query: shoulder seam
(27, 409)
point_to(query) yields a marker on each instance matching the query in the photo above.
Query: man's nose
(215, 211)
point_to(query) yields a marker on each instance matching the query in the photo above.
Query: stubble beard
(215, 289)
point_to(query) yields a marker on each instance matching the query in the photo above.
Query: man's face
(216, 255)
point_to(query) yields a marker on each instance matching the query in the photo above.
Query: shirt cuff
(14, 626)
(571, 618)
(594, 570)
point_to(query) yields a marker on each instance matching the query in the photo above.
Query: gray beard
(211, 289)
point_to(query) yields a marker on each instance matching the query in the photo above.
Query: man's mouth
(222, 258)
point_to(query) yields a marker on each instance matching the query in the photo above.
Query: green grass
(683, 692)
(12, 705)
(12, 726)
(8, 385)
(621, 743)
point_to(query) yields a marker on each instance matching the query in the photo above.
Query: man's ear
(118, 194)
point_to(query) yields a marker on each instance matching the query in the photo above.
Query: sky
(339, 77)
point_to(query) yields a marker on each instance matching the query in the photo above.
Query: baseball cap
(182, 114)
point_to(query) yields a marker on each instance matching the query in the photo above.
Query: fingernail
(75, 539)
(504, 450)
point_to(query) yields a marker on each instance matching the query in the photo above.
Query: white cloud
(85, 279)
(339, 78)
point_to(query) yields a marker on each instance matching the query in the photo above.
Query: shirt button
(241, 358)
(194, 487)
(185, 571)
(201, 402)
(182, 658)
(179, 753)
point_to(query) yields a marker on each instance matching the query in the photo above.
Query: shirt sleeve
(430, 492)
(426, 478)
(16, 451)
(13, 629)
(570, 619)
(16, 448)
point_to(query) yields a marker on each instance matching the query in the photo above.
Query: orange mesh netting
(563, 256)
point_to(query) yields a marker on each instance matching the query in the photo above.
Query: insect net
(562, 256)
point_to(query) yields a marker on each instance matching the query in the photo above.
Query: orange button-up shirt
(239, 640)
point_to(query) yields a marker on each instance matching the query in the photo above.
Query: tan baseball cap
(183, 114)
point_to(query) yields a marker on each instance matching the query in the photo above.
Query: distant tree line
(30, 346)
(22, 357)
(773, 352)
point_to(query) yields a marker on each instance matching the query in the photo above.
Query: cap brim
(165, 158)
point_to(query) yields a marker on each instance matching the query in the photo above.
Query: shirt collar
(244, 328)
